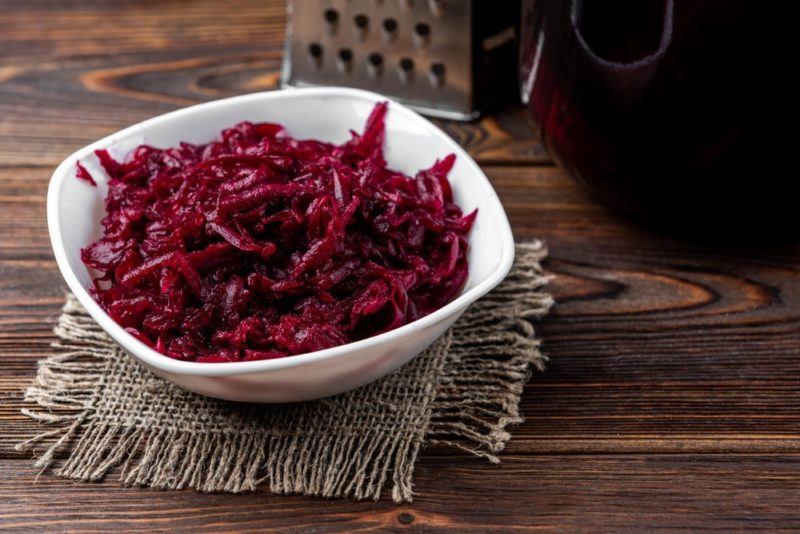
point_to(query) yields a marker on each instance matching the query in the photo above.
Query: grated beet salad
(260, 246)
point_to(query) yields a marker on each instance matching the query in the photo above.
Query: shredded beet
(84, 175)
(260, 246)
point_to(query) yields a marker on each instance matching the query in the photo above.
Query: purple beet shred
(83, 174)
(260, 246)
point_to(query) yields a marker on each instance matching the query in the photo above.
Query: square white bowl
(74, 211)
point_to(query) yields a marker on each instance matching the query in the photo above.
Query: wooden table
(672, 399)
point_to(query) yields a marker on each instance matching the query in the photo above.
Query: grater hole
(346, 55)
(375, 59)
(406, 65)
(331, 16)
(345, 62)
(438, 71)
(375, 64)
(331, 21)
(422, 34)
(390, 26)
(315, 50)
(361, 21)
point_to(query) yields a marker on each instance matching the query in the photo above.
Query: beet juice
(678, 110)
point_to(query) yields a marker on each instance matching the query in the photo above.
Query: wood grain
(671, 397)
(672, 347)
(141, 59)
(587, 493)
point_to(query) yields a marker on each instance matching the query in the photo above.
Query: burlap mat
(106, 411)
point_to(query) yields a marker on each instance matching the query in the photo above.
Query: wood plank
(655, 344)
(587, 493)
(661, 348)
(63, 89)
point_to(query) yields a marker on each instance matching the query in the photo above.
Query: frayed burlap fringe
(108, 412)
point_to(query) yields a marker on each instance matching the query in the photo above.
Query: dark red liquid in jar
(681, 110)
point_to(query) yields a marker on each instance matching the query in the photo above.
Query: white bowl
(74, 210)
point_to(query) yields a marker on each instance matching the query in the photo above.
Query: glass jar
(676, 110)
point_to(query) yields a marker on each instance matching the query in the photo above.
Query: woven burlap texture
(106, 411)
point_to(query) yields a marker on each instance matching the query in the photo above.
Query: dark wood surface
(672, 398)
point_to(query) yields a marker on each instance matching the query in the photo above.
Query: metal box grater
(445, 58)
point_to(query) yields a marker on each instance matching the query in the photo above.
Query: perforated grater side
(447, 58)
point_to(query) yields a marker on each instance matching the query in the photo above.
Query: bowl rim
(164, 363)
